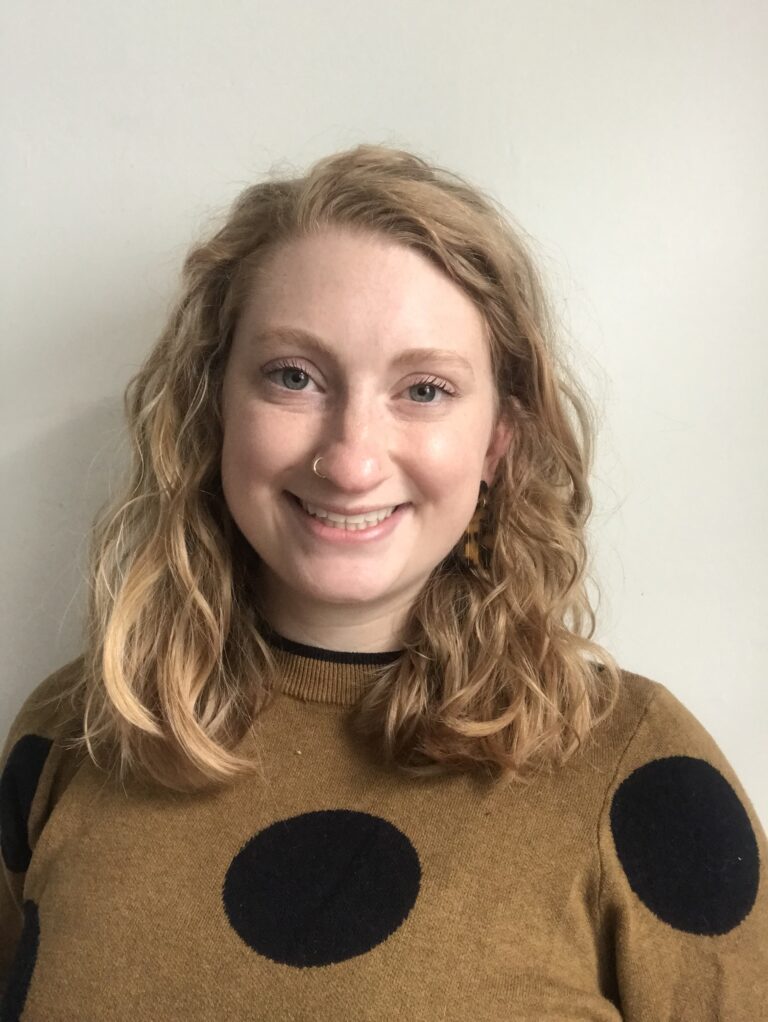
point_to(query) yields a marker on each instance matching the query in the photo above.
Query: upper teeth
(369, 516)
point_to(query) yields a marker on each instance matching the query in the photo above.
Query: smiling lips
(365, 519)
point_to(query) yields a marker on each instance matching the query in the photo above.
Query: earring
(476, 552)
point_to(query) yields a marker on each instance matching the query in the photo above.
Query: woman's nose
(353, 445)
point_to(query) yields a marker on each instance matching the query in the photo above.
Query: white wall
(629, 139)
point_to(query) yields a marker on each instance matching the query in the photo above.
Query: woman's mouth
(323, 527)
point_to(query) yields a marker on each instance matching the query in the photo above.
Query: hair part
(499, 674)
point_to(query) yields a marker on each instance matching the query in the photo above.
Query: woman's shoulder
(649, 723)
(682, 853)
(649, 718)
(656, 758)
(47, 709)
(36, 764)
(668, 775)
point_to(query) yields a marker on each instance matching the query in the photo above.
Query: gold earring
(477, 552)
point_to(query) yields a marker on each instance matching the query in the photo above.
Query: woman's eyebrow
(312, 342)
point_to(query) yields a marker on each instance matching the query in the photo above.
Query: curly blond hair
(498, 673)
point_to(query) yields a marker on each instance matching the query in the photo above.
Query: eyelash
(434, 381)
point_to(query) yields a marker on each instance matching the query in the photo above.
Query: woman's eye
(284, 368)
(290, 370)
(435, 383)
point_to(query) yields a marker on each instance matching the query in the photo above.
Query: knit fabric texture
(628, 884)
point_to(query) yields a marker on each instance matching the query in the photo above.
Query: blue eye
(288, 365)
(433, 381)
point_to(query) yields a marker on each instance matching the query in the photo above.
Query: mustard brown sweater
(629, 884)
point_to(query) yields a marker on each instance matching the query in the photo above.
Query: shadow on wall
(52, 491)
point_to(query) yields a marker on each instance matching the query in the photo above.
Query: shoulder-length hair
(498, 673)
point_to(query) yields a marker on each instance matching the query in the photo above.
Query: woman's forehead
(341, 286)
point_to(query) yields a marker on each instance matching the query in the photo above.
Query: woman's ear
(501, 440)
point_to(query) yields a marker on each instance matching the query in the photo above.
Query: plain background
(631, 142)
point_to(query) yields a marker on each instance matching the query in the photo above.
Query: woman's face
(386, 436)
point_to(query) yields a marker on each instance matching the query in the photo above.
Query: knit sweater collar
(321, 675)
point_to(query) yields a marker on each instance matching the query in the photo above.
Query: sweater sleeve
(683, 894)
(34, 772)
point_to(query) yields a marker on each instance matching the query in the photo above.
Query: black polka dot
(686, 845)
(20, 976)
(18, 785)
(321, 887)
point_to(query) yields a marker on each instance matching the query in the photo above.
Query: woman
(339, 744)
